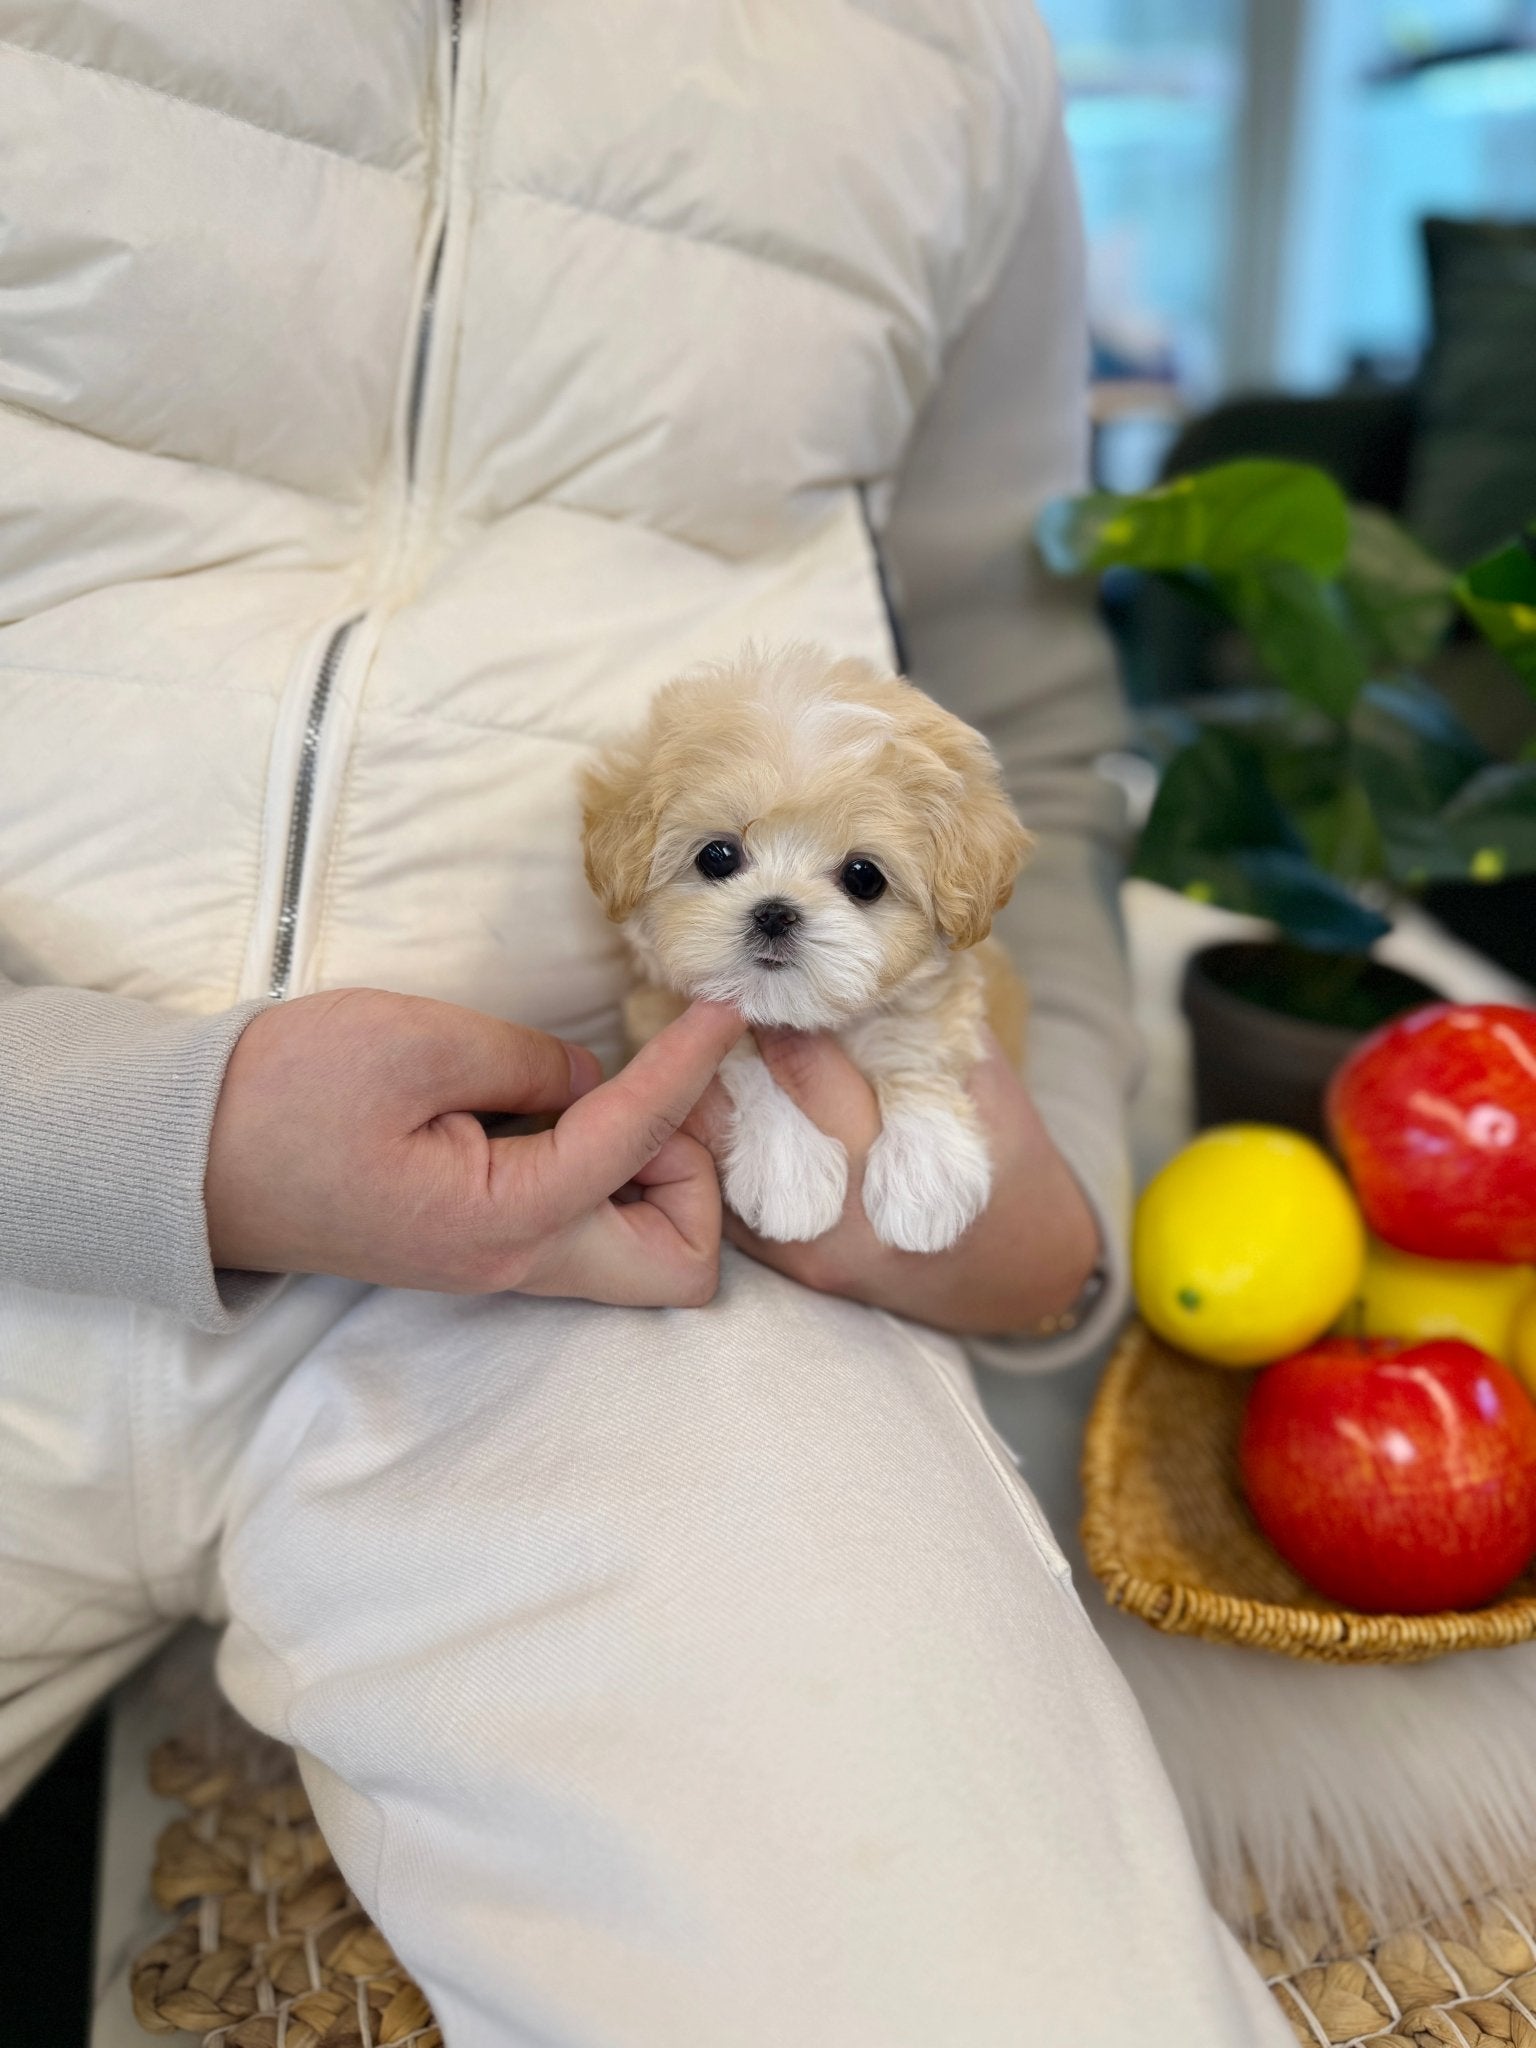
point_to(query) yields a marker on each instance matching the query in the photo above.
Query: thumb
(483, 1063)
(605, 1139)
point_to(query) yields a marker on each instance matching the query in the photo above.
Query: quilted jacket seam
(784, 265)
(251, 476)
(161, 92)
(136, 680)
(945, 53)
(522, 729)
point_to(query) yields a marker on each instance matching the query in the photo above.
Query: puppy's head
(796, 835)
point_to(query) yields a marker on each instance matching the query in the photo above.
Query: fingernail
(585, 1069)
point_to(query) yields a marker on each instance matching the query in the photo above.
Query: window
(1153, 88)
(1254, 173)
(1440, 117)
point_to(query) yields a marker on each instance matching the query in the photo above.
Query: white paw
(784, 1178)
(927, 1179)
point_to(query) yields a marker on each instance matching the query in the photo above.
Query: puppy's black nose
(773, 917)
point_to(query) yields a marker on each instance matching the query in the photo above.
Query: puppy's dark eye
(863, 881)
(717, 860)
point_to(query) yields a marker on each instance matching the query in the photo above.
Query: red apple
(1435, 1116)
(1395, 1478)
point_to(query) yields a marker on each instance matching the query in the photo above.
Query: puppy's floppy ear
(620, 814)
(980, 845)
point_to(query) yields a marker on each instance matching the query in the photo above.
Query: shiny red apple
(1435, 1117)
(1398, 1479)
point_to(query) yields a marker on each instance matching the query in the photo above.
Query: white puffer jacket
(391, 396)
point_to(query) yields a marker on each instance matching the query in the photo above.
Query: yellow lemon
(1522, 1339)
(1247, 1245)
(1402, 1295)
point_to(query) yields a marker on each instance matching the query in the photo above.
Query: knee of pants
(630, 1652)
(777, 1458)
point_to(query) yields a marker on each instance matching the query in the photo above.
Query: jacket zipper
(429, 296)
(883, 578)
(330, 661)
(303, 805)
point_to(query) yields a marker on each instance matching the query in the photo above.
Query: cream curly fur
(800, 763)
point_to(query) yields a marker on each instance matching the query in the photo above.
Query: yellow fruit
(1522, 1339)
(1402, 1295)
(1247, 1245)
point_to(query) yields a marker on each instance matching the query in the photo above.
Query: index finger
(604, 1140)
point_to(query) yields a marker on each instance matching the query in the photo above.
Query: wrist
(1062, 1322)
(1055, 1288)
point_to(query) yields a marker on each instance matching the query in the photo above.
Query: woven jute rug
(269, 1949)
(1462, 1982)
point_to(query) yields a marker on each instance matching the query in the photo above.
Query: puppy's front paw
(784, 1178)
(927, 1179)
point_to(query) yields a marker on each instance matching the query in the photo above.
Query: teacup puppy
(823, 846)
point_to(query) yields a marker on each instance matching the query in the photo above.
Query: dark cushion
(1472, 473)
(1360, 435)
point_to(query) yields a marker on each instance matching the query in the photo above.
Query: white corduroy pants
(661, 1680)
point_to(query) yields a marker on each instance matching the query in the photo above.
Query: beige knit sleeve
(105, 1110)
(1023, 659)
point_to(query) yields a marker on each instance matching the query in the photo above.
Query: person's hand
(345, 1141)
(1026, 1257)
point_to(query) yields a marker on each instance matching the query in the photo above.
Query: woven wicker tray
(1169, 1536)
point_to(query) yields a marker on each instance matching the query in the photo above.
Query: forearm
(1061, 927)
(1024, 660)
(105, 1110)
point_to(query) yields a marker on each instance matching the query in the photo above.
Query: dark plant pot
(1263, 1048)
(1499, 918)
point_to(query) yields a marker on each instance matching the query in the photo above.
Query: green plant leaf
(1220, 520)
(1216, 833)
(1306, 762)
(1300, 632)
(1498, 594)
(1213, 798)
(1343, 836)
(1304, 756)
(1399, 599)
(1306, 904)
(1283, 728)
(1409, 746)
(1490, 823)
(1446, 810)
